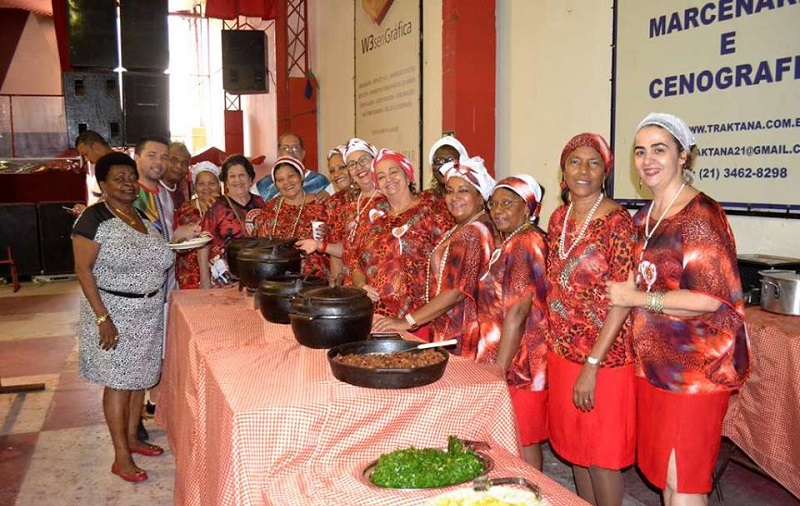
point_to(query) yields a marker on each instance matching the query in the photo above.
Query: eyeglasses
(441, 161)
(502, 204)
(362, 162)
(294, 148)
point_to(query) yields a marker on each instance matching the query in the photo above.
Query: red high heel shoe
(134, 477)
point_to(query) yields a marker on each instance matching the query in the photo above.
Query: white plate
(469, 497)
(190, 244)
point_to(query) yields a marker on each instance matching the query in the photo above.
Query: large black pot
(267, 261)
(275, 295)
(384, 378)
(328, 317)
(236, 245)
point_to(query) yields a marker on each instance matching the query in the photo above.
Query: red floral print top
(456, 264)
(187, 267)
(518, 270)
(279, 218)
(225, 223)
(576, 285)
(393, 254)
(337, 210)
(693, 250)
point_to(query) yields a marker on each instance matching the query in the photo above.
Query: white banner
(731, 70)
(387, 39)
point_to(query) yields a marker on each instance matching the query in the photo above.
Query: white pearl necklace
(563, 253)
(649, 233)
(499, 250)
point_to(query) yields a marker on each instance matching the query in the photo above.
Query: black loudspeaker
(144, 34)
(55, 228)
(244, 61)
(92, 33)
(91, 101)
(19, 229)
(146, 105)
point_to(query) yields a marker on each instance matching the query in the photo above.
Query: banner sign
(731, 70)
(387, 75)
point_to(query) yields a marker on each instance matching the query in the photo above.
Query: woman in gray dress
(121, 262)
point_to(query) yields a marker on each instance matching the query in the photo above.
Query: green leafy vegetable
(428, 467)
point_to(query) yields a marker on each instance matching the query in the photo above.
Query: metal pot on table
(780, 292)
(237, 244)
(267, 260)
(275, 295)
(328, 317)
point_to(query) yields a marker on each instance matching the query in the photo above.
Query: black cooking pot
(275, 295)
(328, 317)
(266, 261)
(237, 244)
(384, 378)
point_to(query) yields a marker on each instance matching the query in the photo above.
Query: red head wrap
(402, 161)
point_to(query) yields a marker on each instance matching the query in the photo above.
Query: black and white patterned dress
(130, 262)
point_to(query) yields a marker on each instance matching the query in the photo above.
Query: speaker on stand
(244, 62)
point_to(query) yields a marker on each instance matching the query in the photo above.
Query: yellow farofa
(484, 501)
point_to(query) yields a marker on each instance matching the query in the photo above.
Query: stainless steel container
(780, 292)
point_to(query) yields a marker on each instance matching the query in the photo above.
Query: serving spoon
(449, 342)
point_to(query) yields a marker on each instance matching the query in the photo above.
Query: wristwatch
(592, 361)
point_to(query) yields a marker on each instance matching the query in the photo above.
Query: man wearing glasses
(290, 144)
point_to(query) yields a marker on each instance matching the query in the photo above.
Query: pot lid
(781, 275)
(334, 294)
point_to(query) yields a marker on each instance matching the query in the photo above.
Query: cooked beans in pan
(402, 360)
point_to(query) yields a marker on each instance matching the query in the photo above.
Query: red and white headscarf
(473, 171)
(402, 161)
(594, 141)
(292, 162)
(526, 187)
(338, 150)
(356, 144)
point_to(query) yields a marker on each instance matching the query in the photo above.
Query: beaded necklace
(498, 250)
(296, 220)
(446, 253)
(647, 270)
(563, 252)
(359, 212)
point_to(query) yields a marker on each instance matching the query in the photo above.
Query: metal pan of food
(387, 363)
(424, 468)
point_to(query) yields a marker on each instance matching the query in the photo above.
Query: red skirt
(603, 437)
(691, 424)
(530, 410)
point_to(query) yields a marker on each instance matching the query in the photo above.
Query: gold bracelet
(102, 319)
(655, 302)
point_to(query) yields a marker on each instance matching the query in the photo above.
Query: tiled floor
(55, 448)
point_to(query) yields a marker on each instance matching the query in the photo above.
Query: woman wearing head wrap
(688, 316)
(512, 309)
(226, 218)
(121, 261)
(445, 150)
(457, 260)
(397, 236)
(290, 214)
(590, 363)
(205, 181)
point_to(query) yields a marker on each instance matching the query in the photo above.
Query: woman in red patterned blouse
(512, 308)
(398, 236)
(457, 260)
(289, 215)
(205, 181)
(590, 363)
(226, 218)
(688, 316)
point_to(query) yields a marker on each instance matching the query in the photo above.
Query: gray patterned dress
(134, 263)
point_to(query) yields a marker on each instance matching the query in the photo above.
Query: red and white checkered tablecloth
(255, 418)
(764, 417)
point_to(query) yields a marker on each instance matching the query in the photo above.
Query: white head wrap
(526, 187)
(203, 167)
(448, 140)
(291, 162)
(338, 150)
(356, 144)
(674, 125)
(473, 171)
